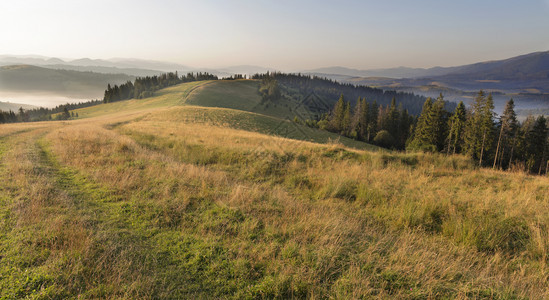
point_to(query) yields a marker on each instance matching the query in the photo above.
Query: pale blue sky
(288, 35)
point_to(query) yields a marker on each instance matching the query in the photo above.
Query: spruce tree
(422, 138)
(479, 127)
(66, 114)
(457, 125)
(355, 123)
(436, 123)
(508, 126)
(338, 115)
(536, 140)
(346, 124)
(405, 124)
(392, 119)
(372, 120)
(364, 119)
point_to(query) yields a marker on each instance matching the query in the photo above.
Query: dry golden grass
(144, 205)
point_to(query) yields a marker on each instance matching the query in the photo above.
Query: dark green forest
(494, 141)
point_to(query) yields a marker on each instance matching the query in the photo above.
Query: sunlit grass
(183, 202)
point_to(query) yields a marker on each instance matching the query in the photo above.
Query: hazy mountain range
(129, 66)
(69, 83)
(524, 78)
(533, 65)
(7, 106)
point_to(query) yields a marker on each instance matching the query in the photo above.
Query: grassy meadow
(180, 196)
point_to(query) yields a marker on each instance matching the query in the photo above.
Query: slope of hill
(241, 95)
(32, 79)
(234, 104)
(157, 199)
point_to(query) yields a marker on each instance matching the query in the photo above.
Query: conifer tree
(355, 123)
(436, 123)
(338, 115)
(536, 140)
(508, 126)
(392, 119)
(364, 119)
(457, 125)
(421, 138)
(479, 128)
(405, 126)
(346, 124)
(66, 114)
(372, 120)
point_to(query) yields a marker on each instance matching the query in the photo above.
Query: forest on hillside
(494, 141)
(329, 91)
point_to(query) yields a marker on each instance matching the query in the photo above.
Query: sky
(282, 34)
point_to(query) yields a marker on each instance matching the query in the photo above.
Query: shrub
(384, 139)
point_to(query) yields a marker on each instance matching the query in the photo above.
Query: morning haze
(284, 35)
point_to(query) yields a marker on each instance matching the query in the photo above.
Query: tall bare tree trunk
(502, 156)
(482, 148)
(449, 141)
(541, 162)
(497, 148)
(513, 148)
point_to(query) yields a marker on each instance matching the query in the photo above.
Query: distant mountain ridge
(533, 65)
(68, 83)
(129, 66)
(124, 63)
(7, 106)
(524, 78)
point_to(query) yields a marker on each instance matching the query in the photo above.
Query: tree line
(498, 142)
(387, 126)
(144, 87)
(61, 112)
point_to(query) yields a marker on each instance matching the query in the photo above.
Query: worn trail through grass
(58, 229)
(162, 201)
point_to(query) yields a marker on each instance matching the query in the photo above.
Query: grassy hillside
(242, 95)
(234, 104)
(153, 199)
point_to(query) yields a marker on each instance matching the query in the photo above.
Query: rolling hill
(177, 196)
(7, 106)
(68, 83)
